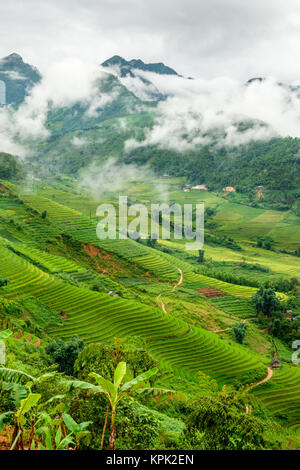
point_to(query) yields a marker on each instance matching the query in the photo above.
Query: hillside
(204, 335)
(89, 132)
(59, 275)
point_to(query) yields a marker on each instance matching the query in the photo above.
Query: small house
(275, 364)
(229, 189)
(200, 187)
(112, 293)
(187, 190)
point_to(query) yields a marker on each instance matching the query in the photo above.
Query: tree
(65, 354)
(240, 330)
(265, 301)
(114, 391)
(44, 215)
(201, 256)
(219, 422)
(3, 281)
(20, 384)
(10, 167)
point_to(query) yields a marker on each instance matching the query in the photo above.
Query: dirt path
(180, 280)
(162, 304)
(220, 331)
(268, 377)
(230, 327)
(175, 286)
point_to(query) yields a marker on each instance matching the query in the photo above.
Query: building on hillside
(275, 364)
(187, 190)
(229, 189)
(112, 293)
(200, 187)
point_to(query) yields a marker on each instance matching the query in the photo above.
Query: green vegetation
(74, 309)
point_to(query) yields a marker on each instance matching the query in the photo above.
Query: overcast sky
(200, 38)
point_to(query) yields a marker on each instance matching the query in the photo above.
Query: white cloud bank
(66, 83)
(197, 111)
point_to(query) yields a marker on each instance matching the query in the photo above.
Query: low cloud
(113, 177)
(66, 83)
(199, 112)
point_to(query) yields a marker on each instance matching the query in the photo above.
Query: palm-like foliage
(114, 391)
(19, 383)
(5, 334)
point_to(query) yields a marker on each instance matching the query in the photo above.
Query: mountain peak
(256, 79)
(18, 77)
(127, 65)
(14, 57)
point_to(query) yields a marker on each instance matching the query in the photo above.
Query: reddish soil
(92, 251)
(5, 439)
(210, 292)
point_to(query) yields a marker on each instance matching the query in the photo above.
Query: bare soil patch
(210, 292)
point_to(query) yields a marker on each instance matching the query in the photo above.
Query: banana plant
(20, 417)
(115, 391)
(79, 430)
(5, 334)
(20, 383)
(51, 432)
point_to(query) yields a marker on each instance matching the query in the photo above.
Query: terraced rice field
(52, 263)
(241, 308)
(281, 394)
(158, 265)
(99, 317)
(84, 229)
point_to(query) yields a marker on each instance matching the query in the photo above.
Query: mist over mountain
(217, 132)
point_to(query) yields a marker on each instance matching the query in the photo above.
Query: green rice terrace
(64, 282)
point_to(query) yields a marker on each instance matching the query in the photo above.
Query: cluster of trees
(10, 167)
(273, 313)
(279, 284)
(240, 330)
(99, 405)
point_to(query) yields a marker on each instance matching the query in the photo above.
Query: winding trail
(266, 379)
(162, 304)
(180, 280)
(251, 387)
(230, 327)
(175, 287)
